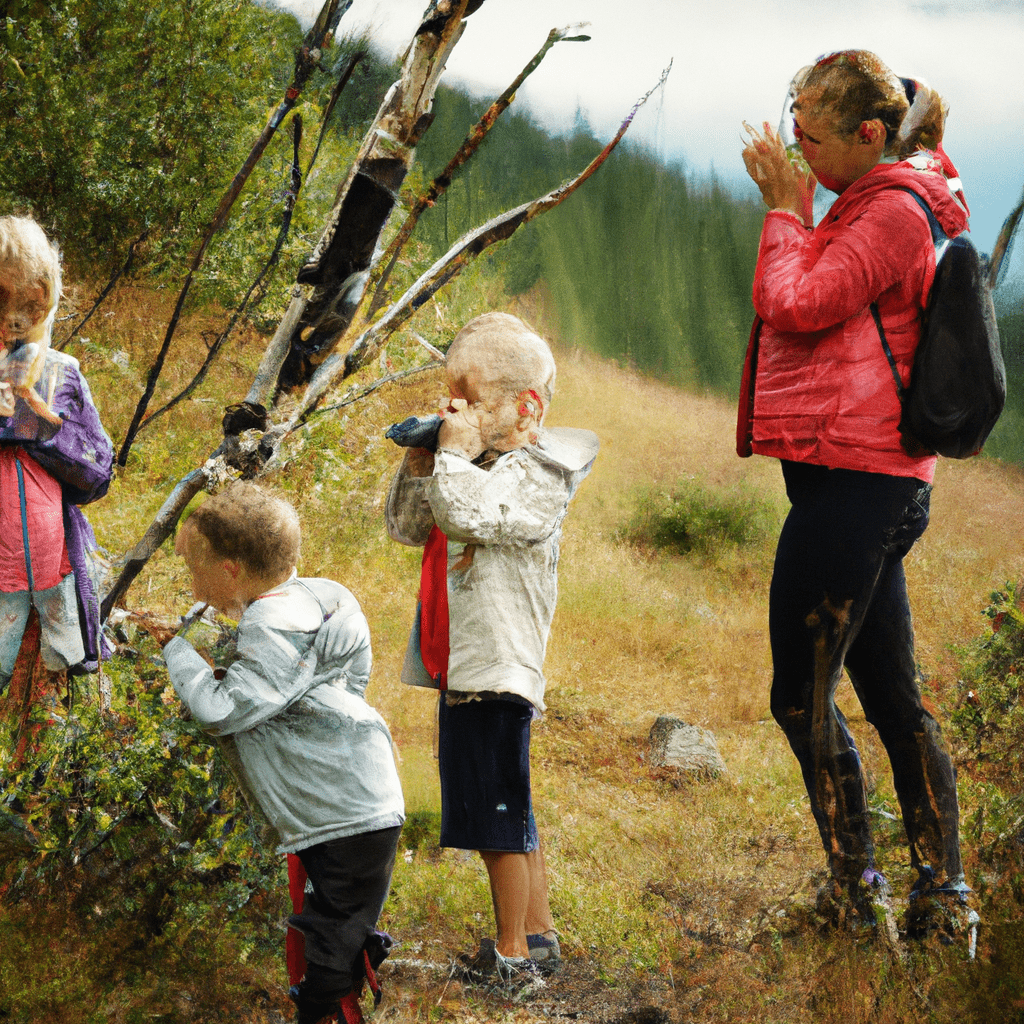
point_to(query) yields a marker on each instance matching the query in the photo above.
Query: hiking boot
(860, 907)
(545, 951)
(943, 912)
(488, 967)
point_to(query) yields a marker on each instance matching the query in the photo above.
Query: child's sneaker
(488, 967)
(545, 951)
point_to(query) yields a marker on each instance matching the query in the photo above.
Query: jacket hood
(930, 185)
(566, 447)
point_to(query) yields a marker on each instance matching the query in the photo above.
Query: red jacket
(823, 390)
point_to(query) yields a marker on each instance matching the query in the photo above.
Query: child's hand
(6, 400)
(37, 404)
(460, 429)
(418, 462)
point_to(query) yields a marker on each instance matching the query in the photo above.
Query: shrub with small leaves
(132, 810)
(989, 718)
(691, 517)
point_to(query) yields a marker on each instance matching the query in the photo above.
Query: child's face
(20, 311)
(216, 581)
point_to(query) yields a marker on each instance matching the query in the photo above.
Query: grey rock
(677, 744)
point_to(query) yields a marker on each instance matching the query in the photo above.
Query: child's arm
(520, 501)
(407, 513)
(267, 676)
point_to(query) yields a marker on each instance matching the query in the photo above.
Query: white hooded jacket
(504, 524)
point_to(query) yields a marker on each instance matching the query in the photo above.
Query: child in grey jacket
(313, 754)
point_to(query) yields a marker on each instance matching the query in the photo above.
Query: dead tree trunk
(306, 59)
(351, 233)
(337, 270)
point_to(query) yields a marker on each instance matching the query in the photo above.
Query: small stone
(677, 744)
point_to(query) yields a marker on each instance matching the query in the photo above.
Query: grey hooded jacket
(315, 756)
(504, 525)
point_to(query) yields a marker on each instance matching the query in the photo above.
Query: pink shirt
(49, 553)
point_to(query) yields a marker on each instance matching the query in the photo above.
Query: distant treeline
(120, 130)
(1007, 440)
(644, 263)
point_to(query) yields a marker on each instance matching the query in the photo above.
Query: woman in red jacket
(819, 395)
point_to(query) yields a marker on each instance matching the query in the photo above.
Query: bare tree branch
(472, 142)
(343, 78)
(159, 530)
(337, 269)
(250, 453)
(369, 342)
(435, 352)
(306, 59)
(118, 274)
(1004, 244)
(286, 220)
(380, 382)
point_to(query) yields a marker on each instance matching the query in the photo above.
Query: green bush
(133, 811)
(690, 517)
(989, 719)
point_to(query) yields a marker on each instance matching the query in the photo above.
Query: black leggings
(839, 599)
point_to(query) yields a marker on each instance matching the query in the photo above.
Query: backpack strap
(939, 237)
(24, 524)
(940, 240)
(900, 389)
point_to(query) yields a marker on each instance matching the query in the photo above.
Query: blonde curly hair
(27, 259)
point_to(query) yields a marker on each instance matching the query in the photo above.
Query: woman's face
(837, 160)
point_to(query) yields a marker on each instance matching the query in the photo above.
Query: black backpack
(958, 382)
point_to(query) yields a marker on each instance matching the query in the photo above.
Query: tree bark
(369, 342)
(338, 268)
(306, 59)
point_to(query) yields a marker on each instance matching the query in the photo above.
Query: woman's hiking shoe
(864, 908)
(943, 912)
(489, 968)
(545, 951)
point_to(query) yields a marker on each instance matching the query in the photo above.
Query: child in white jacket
(313, 754)
(485, 488)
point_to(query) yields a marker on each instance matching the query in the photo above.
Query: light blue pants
(61, 640)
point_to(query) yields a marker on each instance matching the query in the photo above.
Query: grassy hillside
(677, 900)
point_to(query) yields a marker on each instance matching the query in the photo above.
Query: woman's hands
(786, 183)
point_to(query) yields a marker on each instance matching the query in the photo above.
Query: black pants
(839, 599)
(348, 882)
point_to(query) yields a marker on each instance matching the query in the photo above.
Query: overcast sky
(733, 60)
